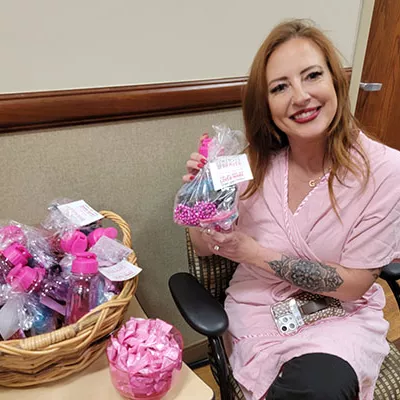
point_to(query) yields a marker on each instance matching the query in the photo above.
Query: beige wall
(54, 44)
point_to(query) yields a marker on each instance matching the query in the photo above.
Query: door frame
(364, 24)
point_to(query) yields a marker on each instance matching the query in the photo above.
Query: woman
(322, 215)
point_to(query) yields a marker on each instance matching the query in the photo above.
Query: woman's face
(301, 95)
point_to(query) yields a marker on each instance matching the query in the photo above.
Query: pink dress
(367, 237)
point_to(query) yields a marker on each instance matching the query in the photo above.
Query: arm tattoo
(308, 275)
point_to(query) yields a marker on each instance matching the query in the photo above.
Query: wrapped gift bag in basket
(55, 355)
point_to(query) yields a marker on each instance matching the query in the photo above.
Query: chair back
(213, 272)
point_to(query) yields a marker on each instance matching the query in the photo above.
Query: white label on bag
(122, 271)
(229, 170)
(79, 213)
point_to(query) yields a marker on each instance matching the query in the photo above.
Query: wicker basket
(55, 355)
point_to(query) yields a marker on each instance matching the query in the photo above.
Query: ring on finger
(216, 247)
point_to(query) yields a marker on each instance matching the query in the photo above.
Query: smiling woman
(316, 225)
(305, 93)
(303, 104)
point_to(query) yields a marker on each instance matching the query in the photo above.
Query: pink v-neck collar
(321, 182)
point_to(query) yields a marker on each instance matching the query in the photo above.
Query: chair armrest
(199, 309)
(391, 272)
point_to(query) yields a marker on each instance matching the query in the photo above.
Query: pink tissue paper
(143, 356)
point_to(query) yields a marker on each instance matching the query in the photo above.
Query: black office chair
(199, 297)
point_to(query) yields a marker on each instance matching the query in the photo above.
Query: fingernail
(200, 165)
(204, 161)
(192, 177)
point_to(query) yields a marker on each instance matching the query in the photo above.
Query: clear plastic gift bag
(66, 236)
(55, 221)
(24, 313)
(35, 240)
(39, 245)
(197, 203)
(57, 225)
(11, 232)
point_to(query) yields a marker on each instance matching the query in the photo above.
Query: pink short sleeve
(375, 238)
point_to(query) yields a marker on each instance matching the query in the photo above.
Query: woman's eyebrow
(283, 78)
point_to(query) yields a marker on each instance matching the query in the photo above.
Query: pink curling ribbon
(147, 351)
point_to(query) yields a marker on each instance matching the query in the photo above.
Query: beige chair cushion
(388, 384)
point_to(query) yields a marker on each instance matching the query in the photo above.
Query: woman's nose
(300, 96)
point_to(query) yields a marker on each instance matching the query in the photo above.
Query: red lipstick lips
(306, 115)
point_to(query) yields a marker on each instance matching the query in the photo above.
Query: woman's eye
(278, 88)
(314, 75)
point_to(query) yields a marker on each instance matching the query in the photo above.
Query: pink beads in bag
(191, 216)
(197, 203)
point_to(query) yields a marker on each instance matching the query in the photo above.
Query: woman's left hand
(235, 245)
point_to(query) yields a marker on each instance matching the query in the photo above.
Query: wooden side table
(94, 383)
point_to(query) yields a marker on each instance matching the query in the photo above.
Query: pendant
(312, 183)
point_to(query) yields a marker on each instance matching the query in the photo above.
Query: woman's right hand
(194, 164)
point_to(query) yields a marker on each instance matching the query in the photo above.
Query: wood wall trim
(39, 110)
(71, 107)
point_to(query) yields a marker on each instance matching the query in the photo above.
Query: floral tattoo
(308, 275)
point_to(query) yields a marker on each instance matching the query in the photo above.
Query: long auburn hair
(266, 139)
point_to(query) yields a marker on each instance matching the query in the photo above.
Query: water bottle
(74, 242)
(83, 293)
(23, 310)
(54, 290)
(49, 286)
(10, 257)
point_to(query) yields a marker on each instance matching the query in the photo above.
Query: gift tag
(229, 170)
(122, 271)
(79, 213)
